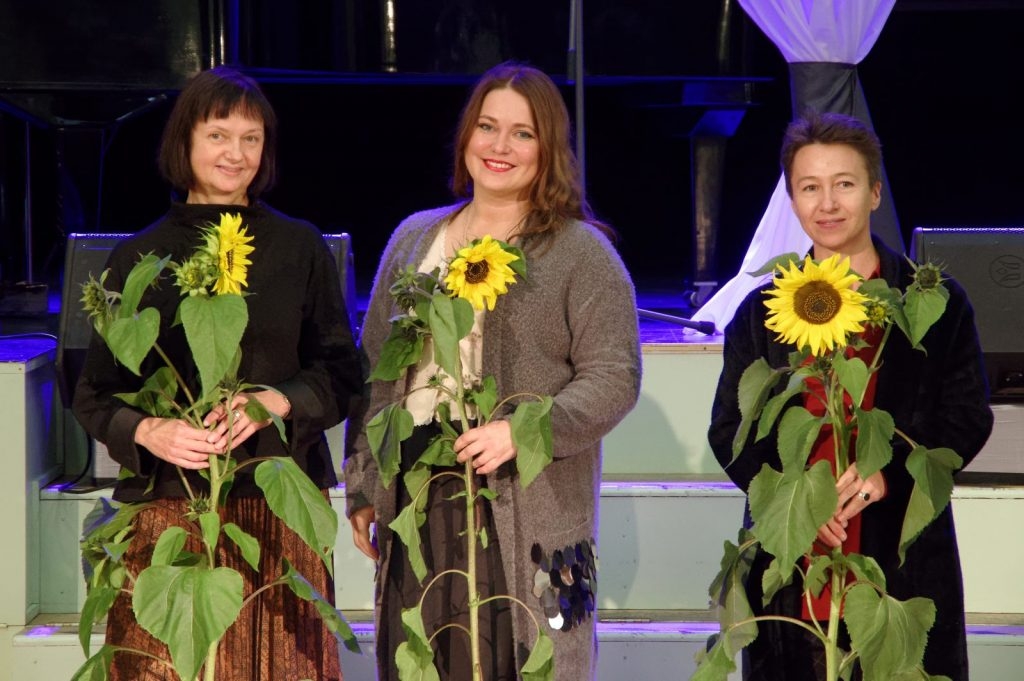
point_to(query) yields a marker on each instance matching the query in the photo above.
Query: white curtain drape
(822, 41)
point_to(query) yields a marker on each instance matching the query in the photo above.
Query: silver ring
(864, 495)
(237, 414)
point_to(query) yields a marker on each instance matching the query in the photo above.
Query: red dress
(824, 450)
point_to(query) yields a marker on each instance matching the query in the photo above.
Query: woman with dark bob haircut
(217, 93)
(568, 330)
(217, 153)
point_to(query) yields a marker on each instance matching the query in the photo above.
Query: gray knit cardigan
(570, 331)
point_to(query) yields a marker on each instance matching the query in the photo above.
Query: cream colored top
(422, 400)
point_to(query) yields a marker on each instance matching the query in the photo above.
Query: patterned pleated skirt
(278, 636)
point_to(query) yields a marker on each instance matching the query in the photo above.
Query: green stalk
(216, 481)
(474, 595)
(210, 669)
(471, 534)
(832, 658)
(836, 414)
(177, 376)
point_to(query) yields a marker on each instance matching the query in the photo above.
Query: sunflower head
(228, 244)
(816, 307)
(480, 272)
(927, 276)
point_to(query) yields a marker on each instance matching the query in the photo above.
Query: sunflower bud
(97, 301)
(198, 506)
(411, 287)
(878, 312)
(927, 276)
(195, 275)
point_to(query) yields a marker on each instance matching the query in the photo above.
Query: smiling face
(225, 158)
(503, 153)
(833, 198)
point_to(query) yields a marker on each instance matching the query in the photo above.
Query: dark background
(362, 146)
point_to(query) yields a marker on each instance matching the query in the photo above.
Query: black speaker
(86, 254)
(989, 263)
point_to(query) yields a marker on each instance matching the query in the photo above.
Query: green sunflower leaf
(214, 326)
(932, 470)
(531, 434)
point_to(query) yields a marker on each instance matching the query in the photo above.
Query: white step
(665, 511)
(638, 646)
(661, 543)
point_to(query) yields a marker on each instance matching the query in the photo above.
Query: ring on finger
(237, 414)
(866, 496)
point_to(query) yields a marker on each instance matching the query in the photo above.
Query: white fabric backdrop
(835, 31)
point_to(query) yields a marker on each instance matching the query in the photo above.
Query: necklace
(470, 217)
(466, 223)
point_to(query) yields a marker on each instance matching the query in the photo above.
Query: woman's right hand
(361, 519)
(177, 442)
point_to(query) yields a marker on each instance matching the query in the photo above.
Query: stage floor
(658, 299)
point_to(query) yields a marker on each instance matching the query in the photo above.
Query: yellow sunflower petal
(815, 306)
(233, 245)
(480, 273)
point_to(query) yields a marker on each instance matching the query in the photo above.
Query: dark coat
(939, 399)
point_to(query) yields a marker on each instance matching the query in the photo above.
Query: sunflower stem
(177, 376)
(832, 652)
(471, 532)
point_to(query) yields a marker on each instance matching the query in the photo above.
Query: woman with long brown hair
(568, 330)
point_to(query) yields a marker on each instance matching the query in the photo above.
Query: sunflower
(480, 273)
(97, 301)
(195, 275)
(927, 276)
(816, 307)
(229, 244)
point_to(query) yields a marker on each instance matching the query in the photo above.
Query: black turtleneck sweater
(298, 340)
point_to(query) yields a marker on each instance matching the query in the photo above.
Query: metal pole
(389, 47)
(27, 223)
(576, 73)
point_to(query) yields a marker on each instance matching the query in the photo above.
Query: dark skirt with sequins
(277, 636)
(444, 548)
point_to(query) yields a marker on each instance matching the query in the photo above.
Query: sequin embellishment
(566, 583)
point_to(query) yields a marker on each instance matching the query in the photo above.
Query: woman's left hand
(232, 417)
(488, 446)
(855, 493)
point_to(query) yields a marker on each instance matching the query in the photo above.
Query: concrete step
(633, 645)
(661, 544)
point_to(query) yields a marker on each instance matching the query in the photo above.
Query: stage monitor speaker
(86, 254)
(989, 263)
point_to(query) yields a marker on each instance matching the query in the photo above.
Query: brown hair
(813, 127)
(556, 194)
(216, 93)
